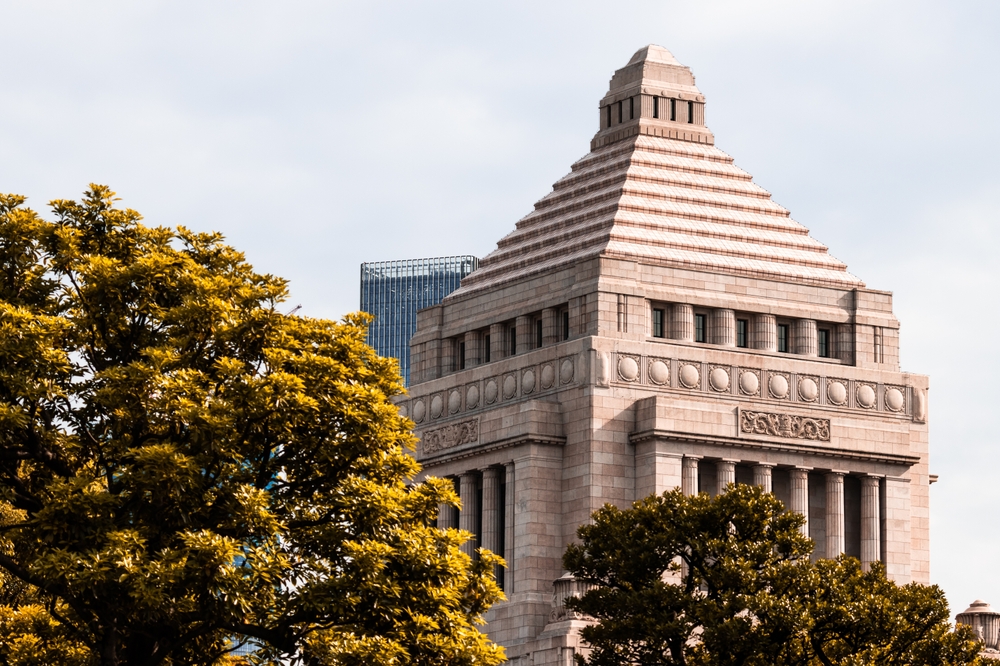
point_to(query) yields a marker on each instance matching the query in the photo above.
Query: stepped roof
(655, 190)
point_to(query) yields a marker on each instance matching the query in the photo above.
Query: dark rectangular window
(699, 328)
(461, 356)
(673, 109)
(486, 348)
(501, 522)
(823, 342)
(620, 116)
(538, 333)
(657, 323)
(565, 324)
(608, 114)
(690, 112)
(742, 328)
(631, 108)
(511, 340)
(656, 107)
(783, 338)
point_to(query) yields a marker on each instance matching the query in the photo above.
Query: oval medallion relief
(548, 376)
(659, 373)
(719, 379)
(491, 391)
(472, 397)
(566, 371)
(509, 387)
(778, 386)
(628, 368)
(527, 381)
(403, 411)
(866, 396)
(419, 411)
(836, 392)
(749, 382)
(454, 402)
(894, 399)
(808, 390)
(437, 404)
(688, 376)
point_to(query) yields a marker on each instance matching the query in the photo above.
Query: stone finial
(562, 588)
(984, 621)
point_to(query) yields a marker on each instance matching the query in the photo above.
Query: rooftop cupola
(653, 95)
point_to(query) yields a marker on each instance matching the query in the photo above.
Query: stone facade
(658, 322)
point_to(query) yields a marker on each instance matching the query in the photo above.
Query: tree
(183, 468)
(693, 580)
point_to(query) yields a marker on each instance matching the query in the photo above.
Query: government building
(657, 321)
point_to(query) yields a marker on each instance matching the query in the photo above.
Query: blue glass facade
(393, 291)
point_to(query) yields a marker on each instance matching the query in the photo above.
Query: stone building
(658, 321)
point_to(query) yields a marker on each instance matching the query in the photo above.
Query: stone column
(689, 475)
(799, 481)
(765, 332)
(497, 350)
(762, 476)
(491, 512)
(472, 349)
(682, 322)
(804, 339)
(550, 326)
(844, 345)
(871, 536)
(467, 519)
(723, 328)
(834, 513)
(725, 473)
(525, 334)
(508, 529)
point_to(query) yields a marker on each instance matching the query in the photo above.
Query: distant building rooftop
(393, 291)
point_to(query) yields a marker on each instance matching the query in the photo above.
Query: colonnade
(871, 524)
(487, 513)
(762, 331)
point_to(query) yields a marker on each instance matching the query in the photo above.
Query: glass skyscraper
(393, 291)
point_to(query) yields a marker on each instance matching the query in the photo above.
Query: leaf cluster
(184, 468)
(728, 581)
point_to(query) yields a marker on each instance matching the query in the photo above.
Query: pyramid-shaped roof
(654, 189)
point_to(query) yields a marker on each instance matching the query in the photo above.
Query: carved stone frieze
(784, 425)
(449, 436)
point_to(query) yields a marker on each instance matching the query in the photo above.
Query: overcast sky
(317, 135)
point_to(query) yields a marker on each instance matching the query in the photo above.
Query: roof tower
(655, 189)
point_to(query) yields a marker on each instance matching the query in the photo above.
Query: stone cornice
(775, 444)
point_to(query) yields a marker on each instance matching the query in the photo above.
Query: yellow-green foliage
(183, 467)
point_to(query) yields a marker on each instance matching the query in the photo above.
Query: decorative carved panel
(449, 436)
(784, 425)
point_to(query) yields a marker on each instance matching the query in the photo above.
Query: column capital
(690, 457)
(734, 461)
(802, 468)
(764, 464)
(837, 472)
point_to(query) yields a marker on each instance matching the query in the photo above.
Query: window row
(509, 338)
(729, 328)
(664, 108)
